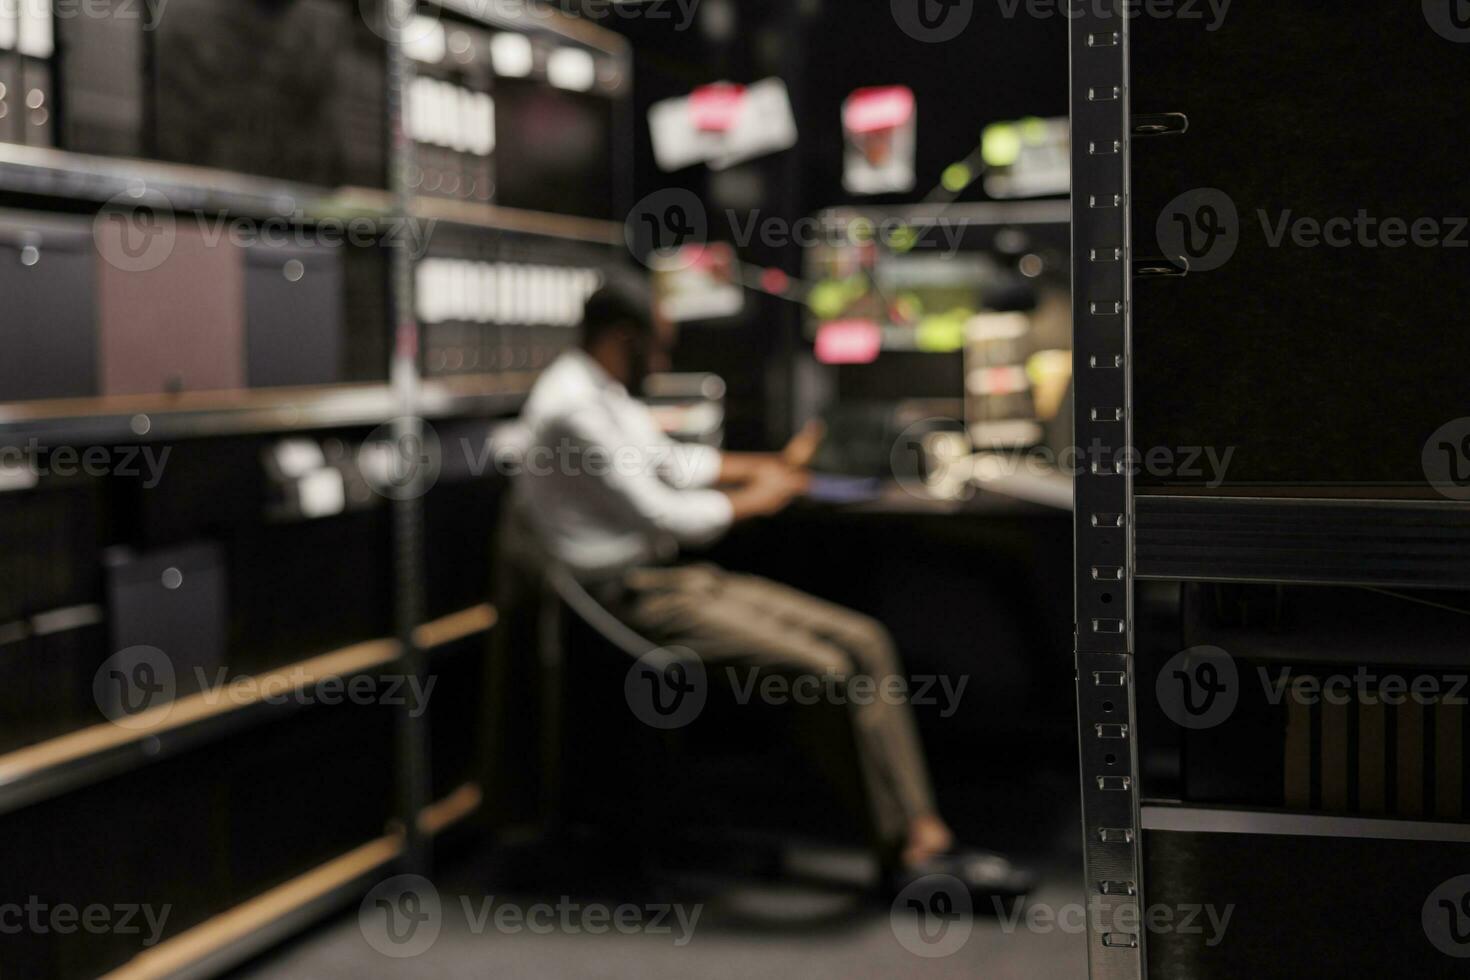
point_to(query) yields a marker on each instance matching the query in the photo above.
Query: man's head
(622, 331)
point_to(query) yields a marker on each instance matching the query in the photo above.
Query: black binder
(100, 74)
(174, 601)
(47, 273)
(293, 315)
(12, 99)
(220, 68)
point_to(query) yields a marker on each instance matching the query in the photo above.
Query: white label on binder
(459, 289)
(484, 128)
(418, 108)
(504, 294)
(444, 104)
(572, 69)
(7, 24)
(18, 475)
(297, 457)
(487, 287)
(464, 120)
(424, 40)
(36, 37)
(511, 55)
(423, 290)
(322, 493)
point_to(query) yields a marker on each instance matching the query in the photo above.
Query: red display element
(873, 110)
(775, 281)
(714, 108)
(849, 342)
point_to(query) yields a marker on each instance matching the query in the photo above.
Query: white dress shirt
(606, 489)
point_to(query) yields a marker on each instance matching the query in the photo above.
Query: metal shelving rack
(1128, 546)
(57, 766)
(1104, 625)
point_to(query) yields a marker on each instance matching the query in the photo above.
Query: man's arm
(741, 468)
(769, 489)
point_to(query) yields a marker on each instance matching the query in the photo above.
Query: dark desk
(978, 588)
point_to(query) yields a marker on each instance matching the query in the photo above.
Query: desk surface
(1019, 494)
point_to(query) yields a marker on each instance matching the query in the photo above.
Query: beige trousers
(739, 621)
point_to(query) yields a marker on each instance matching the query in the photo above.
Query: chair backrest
(575, 597)
(539, 572)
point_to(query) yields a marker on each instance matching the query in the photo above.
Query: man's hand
(769, 490)
(802, 448)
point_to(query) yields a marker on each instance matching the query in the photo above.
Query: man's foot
(981, 872)
(929, 850)
(928, 837)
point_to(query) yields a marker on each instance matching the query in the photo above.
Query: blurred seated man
(620, 499)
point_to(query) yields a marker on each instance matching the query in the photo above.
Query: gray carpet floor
(799, 928)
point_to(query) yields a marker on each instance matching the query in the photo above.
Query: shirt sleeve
(686, 466)
(660, 485)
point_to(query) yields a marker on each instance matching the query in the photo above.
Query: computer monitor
(969, 303)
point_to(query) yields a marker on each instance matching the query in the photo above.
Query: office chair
(692, 788)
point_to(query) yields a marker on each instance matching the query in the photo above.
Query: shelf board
(456, 626)
(1385, 543)
(1196, 819)
(512, 13)
(50, 172)
(196, 414)
(593, 230)
(233, 936)
(458, 806)
(78, 758)
(191, 415)
(474, 394)
(47, 172)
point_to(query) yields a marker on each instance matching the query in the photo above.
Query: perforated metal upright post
(413, 784)
(1101, 284)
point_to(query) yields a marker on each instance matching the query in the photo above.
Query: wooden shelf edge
(108, 171)
(161, 403)
(456, 626)
(36, 759)
(239, 923)
(591, 231)
(439, 816)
